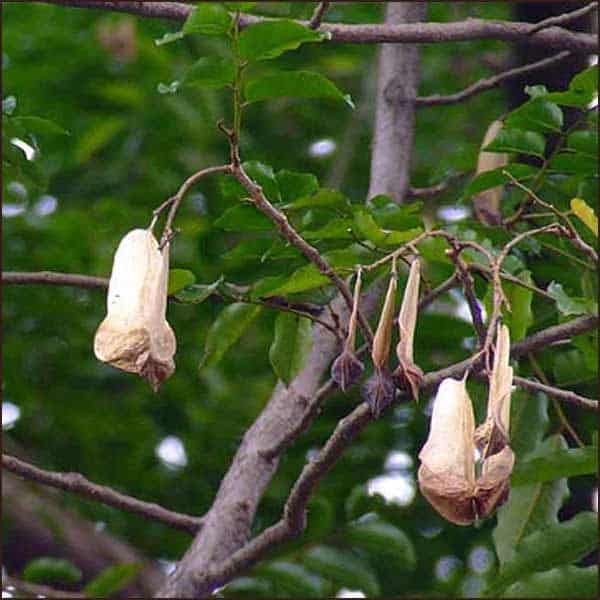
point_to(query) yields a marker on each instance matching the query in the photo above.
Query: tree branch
(78, 484)
(491, 82)
(564, 395)
(564, 18)
(397, 83)
(53, 278)
(315, 20)
(417, 33)
(34, 589)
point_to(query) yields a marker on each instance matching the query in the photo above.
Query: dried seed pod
(379, 391)
(347, 368)
(135, 336)
(407, 374)
(383, 336)
(487, 202)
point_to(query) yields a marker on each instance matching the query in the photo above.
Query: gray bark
(395, 111)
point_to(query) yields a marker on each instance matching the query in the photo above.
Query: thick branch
(398, 80)
(78, 484)
(52, 278)
(417, 33)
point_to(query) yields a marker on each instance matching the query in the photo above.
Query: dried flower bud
(408, 375)
(135, 335)
(447, 472)
(346, 369)
(487, 202)
(379, 391)
(383, 336)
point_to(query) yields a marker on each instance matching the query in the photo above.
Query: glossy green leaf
(241, 6)
(581, 89)
(550, 547)
(265, 177)
(518, 141)
(208, 18)
(41, 126)
(226, 330)
(323, 198)
(562, 582)
(520, 317)
(496, 177)
(248, 587)
(298, 84)
(365, 227)
(342, 567)
(568, 462)
(574, 163)
(567, 305)
(178, 279)
(584, 142)
(294, 579)
(169, 37)
(243, 217)
(336, 229)
(529, 507)
(303, 279)
(112, 579)
(291, 345)
(385, 540)
(210, 73)
(536, 115)
(293, 186)
(196, 294)
(50, 570)
(270, 39)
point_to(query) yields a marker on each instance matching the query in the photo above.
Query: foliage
(134, 139)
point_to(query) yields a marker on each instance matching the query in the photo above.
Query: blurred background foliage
(129, 147)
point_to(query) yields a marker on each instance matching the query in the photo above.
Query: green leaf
(584, 142)
(210, 72)
(270, 39)
(97, 136)
(8, 105)
(367, 228)
(344, 568)
(563, 582)
(209, 18)
(536, 115)
(567, 305)
(585, 214)
(582, 89)
(574, 163)
(303, 279)
(291, 345)
(586, 81)
(248, 587)
(294, 579)
(520, 317)
(178, 279)
(496, 177)
(323, 198)
(38, 126)
(293, 186)
(49, 570)
(241, 6)
(336, 229)
(265, 177)
(529, 507)
(518, 141)
(536, 91)
(243, 217)
(384, 540)
(226, 330)
(299, 84)
(112, 579)
(568, 462)
(555, 545)
(195, 294)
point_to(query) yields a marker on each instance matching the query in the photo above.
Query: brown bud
(408, 375)
(379, 391)
(346, 369)
(383, 336)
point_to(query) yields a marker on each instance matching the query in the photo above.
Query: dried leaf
(135, 336)
(379, 391)
(383, 336)
(346, 369)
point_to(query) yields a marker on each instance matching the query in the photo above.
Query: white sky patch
(398, 460)
(452, 214)
(396, 488)
(346, 593)
(322, 148)
(595, 499)
(10, 415)
(28, 149)
(171, 452)
(45, 206)
(480, 559)
(446, 566)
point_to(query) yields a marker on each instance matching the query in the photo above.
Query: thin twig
(35, 590)
(564, 18)
(78, 484)
(53, 278)
(564, 395)
(450, 283)
(317, 17)
(489, 83)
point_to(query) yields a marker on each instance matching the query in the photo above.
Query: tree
(264, 263)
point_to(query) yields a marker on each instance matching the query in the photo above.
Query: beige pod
(135, 335)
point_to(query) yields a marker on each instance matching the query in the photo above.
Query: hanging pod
(447, 476)
(135, 336)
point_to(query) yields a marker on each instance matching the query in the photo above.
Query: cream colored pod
(135, 335)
